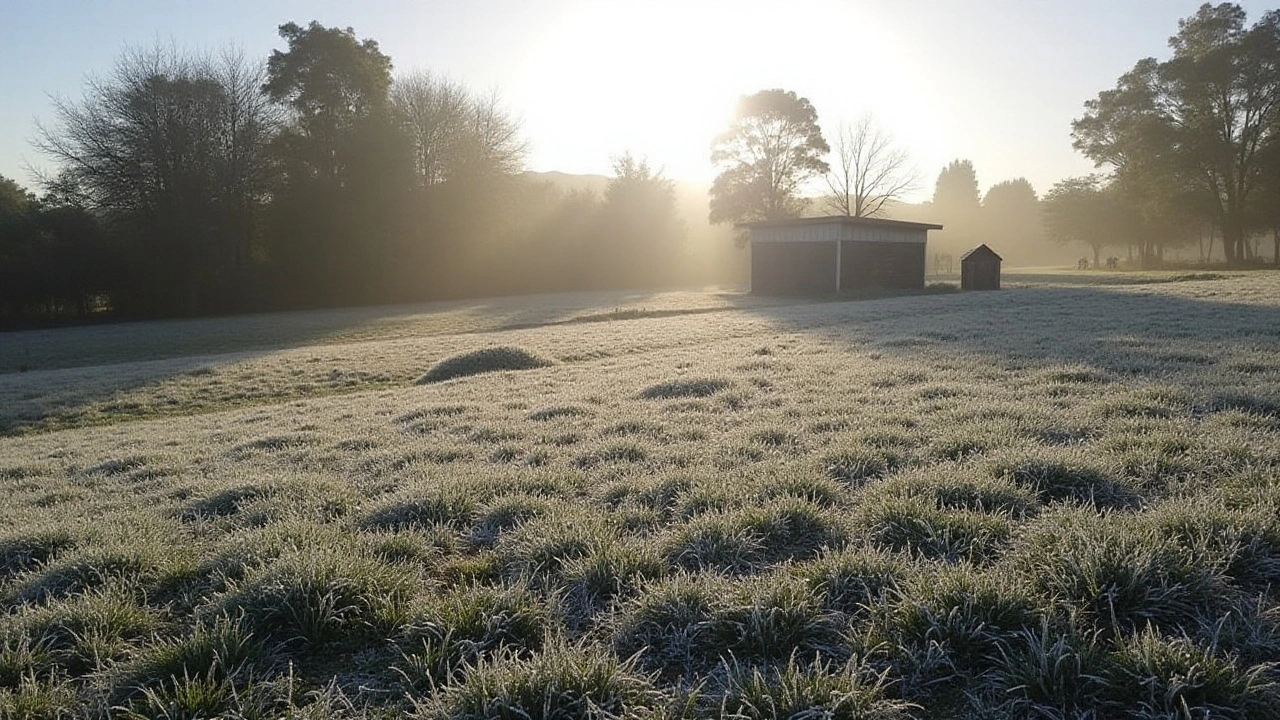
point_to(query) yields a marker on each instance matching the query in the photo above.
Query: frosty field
(1058, 500)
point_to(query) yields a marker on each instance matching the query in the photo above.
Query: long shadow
(1197, 343)
(1200, 344)
(80, 371)
(106, 344)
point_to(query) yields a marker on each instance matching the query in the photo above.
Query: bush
(482, 361)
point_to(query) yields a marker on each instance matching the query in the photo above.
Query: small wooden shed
(980, 269)
(830, 254)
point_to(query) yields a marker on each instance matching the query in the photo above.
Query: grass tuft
(470, 625)
(848, 691)
(31, 550)
(560, 682)
(676, 389)
(325, 597)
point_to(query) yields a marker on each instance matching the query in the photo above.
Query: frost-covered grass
(1051, 501)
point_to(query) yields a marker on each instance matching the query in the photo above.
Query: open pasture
(1058, 500)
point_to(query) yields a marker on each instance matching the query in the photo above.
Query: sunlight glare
(666, 76)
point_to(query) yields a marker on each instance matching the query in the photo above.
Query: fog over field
(985, 504)
(609, 360)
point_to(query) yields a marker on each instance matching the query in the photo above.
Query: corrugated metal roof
(842, 220)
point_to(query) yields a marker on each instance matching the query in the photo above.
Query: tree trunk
(1232, 239)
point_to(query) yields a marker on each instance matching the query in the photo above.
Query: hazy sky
(995, 81)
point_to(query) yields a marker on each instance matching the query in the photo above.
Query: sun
(661, 79)
(646, 79)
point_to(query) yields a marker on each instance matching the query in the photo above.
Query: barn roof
(842, 220)
(980, 251)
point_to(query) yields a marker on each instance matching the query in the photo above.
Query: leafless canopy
(455, 131)
(867, 171)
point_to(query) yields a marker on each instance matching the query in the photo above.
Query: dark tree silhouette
(956, 190)
(168, 150)
(333, 83)
(641, 232)
(1207, 118)
(346, 167)
(1084, 210)
(1011, 219)
(54, 261)
(772, 146)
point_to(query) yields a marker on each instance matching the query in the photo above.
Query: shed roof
(842, 220)
(980, 251)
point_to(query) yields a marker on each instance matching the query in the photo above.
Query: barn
(837, 253)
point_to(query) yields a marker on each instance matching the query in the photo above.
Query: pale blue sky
(995, 81)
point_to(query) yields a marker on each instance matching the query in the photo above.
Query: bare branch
(867, 171)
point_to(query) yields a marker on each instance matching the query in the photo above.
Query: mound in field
(482, 361)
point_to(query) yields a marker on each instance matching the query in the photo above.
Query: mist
(188, 183)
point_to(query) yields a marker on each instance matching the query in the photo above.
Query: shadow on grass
(1130, 332)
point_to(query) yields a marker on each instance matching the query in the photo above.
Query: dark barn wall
(896, 265)
(793, 268)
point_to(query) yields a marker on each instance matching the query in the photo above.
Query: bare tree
(868, 170)
(170, 150)
(455, 132)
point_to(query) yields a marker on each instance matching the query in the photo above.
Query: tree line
(774, 155)
(1188, 152)
(1188, 149)
(196, 183)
